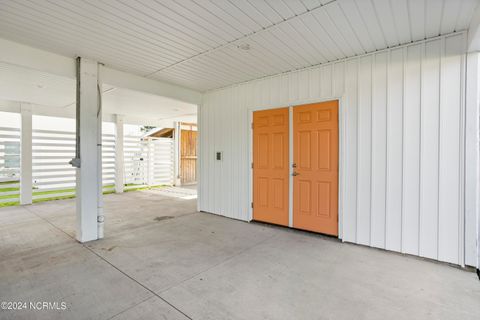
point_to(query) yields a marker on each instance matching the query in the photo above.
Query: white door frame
(341, 159)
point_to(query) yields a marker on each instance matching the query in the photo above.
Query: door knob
(295, 173)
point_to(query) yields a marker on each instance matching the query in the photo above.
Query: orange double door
(314, 167)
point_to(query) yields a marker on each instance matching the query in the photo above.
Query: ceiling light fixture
(244, 46)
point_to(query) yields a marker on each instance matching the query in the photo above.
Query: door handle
(295, 173)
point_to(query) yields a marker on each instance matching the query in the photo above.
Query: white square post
(176, 153)
(119, 155)
(26, 154)
(88, 158)
(150, 162)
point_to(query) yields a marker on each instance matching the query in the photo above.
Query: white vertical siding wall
(472, 161)
(402, 114)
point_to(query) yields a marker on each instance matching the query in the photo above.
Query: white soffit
(134, 103)
(32, 86)
(20, 84)
(195, 43)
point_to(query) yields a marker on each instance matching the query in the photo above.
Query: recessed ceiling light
(244, 46)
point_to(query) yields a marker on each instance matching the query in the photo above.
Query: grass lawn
(107, 190)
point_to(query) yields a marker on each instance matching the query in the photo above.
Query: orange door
(270, 166)
(315, 182)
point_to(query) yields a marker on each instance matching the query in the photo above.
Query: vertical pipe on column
(100, 216)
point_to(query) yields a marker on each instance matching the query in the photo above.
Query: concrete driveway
(163, 260)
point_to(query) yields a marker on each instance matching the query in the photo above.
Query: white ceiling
(25, 85)
(143, 105)
(194, 43)
(44, 89)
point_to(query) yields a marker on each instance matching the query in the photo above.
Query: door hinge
(252, 125)
(252, 165)
(252, 205)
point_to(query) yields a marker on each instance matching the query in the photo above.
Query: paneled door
(315, 167)
(271, 166)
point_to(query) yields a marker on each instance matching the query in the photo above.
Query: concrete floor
(163, 260)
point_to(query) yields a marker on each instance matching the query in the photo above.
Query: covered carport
(345, 132)
(120, 98)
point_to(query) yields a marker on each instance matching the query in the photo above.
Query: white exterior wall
(402, 121)
(472, 160)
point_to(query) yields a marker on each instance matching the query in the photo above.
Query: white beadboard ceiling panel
(198, 43)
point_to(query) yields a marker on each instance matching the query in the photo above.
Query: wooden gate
(188, 154)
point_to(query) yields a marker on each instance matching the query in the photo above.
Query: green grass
(9, 204)
(10, 188)
(8, 196)
(142, 187)
(109, 189)
(9, 182)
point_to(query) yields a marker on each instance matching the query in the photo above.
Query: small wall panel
(450, 148)
(364, 141)
(411, 150)
(350, 201)
(379, 150)
(429, 149)
(393, 212)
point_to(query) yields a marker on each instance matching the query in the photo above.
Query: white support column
(26, 154)
(119, 155)
(89, 174)
(176, 165)
(150, 160)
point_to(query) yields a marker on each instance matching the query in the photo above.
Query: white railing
(135, 154)
(162, 161)
(9, 165)
(108, 162)
(53, 176)
(148, 161)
